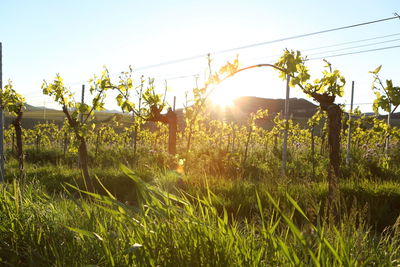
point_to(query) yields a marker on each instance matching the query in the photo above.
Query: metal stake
(349, 129)
(285, 135)
(2, 170)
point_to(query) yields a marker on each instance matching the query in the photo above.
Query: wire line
(328, 46)
(351, 42)
(264, 43)
(270, 42)
(357, 46)
(356, 52)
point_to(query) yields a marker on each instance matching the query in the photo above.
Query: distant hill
(299, 108)
(113, 111)
(34, 108)
(38, 114)
(41, 108)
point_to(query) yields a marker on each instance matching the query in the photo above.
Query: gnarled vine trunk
(82, 150)
(171, 119)
(334, 126)
(83, 162)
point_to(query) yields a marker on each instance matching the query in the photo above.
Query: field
(228, 206)
(199, 133)
(196, 187)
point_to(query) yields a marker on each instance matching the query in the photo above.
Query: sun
(225, 93)
(222, 100)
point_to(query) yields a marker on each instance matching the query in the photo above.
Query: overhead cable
(264, 43)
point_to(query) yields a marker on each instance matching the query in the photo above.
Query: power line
(344, 54)
(357, 46)
(306, 35)
(351, 42)
(328, 46)
(322, 57)
(356, 52)
(315, 58)
(265, 43)
(253, 45)
(176, 77)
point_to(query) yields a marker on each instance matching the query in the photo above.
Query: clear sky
(76, 38)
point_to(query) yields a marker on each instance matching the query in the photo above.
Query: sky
(77, 38)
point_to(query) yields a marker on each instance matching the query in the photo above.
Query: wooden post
(312, 152)
(37, 142)
(65, 143)
(285, 135)
(349, 129)
(81, 119)
(173, 126)
(2, 170)
(137, 126)
(387, 143)
(97, 142)
(82, 102)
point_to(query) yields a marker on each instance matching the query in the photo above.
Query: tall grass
(162, 229)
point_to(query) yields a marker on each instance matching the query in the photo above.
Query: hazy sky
(76, 38)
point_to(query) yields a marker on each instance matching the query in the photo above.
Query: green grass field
(223, 202)
(151, 215)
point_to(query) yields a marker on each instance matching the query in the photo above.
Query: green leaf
(119, 99)
(83, 233)
(375, 71)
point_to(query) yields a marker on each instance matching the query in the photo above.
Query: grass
(156, 216)
(168, 230)
(379, 197)
(223, 202)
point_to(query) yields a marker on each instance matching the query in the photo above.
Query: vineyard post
(82, 101)
(97, 142)
(349, 129)
(2, 170)
(312, 151)
(81, 117)
(388, 123)
(37, 142)
(285, 135)
(65, 147)
(137, 125)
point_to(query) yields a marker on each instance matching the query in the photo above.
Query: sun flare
(225, 94)
(222, 101)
